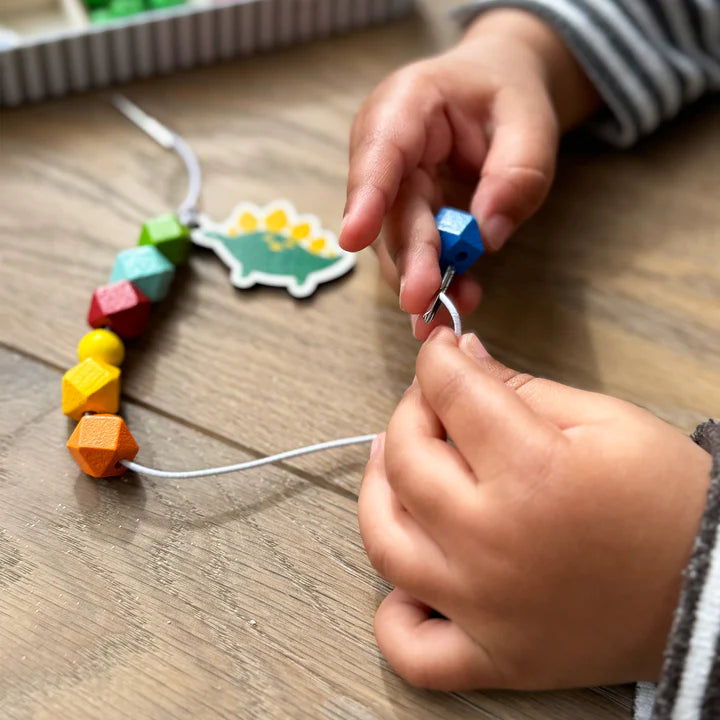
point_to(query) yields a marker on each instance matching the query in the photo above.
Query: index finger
(400, 126)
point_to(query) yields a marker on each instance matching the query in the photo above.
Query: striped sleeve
(689, 688)
(647, 58)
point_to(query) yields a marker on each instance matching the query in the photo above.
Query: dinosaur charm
(275, 246)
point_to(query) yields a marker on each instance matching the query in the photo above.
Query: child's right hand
(551, 533)
(493, 105)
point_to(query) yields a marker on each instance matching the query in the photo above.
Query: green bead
(168, 235)
(101, 15)
(123, 8)
(92, 4)
(117, 9)
(146, 268)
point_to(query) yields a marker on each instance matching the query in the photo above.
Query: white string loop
(454, 314)
(288, 454)
(187, 211)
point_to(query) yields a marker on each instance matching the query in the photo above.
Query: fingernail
(496, 230)
(400, 295)
(471, 345)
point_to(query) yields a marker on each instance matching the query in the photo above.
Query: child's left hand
(552, 534)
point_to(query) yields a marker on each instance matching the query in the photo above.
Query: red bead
(120, 306)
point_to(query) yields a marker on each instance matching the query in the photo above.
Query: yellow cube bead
(90, 386)
(102, 345)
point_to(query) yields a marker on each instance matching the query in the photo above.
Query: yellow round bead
(102, 345)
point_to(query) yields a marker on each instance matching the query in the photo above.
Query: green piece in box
(158, 4)
(101, 15)
(123, 8)
(117, 9)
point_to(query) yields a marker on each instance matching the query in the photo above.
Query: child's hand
(492, 106)
(551, 535)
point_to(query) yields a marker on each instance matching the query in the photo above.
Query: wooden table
(250, 595)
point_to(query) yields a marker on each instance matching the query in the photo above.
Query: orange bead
(99, 443)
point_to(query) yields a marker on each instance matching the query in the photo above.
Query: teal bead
(146, 268)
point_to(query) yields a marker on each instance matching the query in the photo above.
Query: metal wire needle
(447, 278)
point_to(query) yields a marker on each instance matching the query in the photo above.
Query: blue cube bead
(146, 268)
(460, 237)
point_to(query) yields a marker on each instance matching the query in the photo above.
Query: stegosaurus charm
(276, 246)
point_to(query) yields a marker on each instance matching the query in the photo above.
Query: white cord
(329, 445)
(279, 457)
(187, 212)
(454, 314)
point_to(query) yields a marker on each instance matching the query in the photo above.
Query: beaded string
(101, 443)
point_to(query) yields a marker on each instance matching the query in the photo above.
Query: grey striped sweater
(689, 688)
(648, 59)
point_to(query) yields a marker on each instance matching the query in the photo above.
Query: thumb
(482, 415)
(520, 163)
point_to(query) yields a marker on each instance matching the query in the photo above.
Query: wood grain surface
(250, 596)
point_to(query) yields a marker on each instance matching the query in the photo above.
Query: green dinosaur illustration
(273, 254)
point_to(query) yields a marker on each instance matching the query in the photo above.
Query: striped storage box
(50, 64)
